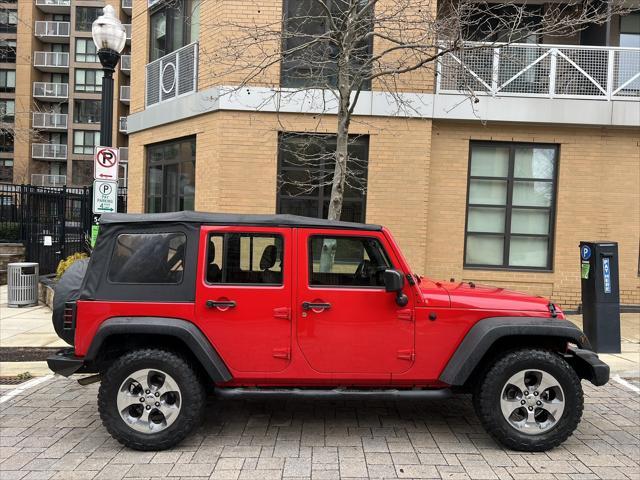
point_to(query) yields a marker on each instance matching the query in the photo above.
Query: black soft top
(203, 218)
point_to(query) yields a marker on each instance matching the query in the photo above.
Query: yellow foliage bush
(67, 262)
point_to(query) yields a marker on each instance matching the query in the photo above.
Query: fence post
(610, 68)
(62, 213)
(495, 74)
(552, 72)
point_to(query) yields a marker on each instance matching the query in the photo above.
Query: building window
(7, 80)
(6, 170)
(6, 141)
(7, 110)
(85, 17)
(86, 111)
(309, 62)
(88, 80)
(510, 205)
(305, 171)
(8, 21)
(84, 141)
(86, 50)
(7, 51)
(171, 176)
(174, 25)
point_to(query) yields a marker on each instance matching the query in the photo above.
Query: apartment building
(496, 189)
(50, 91)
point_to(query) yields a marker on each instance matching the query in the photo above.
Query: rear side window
(245, 258)
(148, 258)
(347, 262)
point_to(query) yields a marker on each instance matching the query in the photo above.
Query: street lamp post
(110, 37)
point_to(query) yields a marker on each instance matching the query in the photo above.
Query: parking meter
(600, 295)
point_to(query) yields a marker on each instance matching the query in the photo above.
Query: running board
(390, 394)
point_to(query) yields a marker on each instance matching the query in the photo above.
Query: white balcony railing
(127, 5)
(124, 154)
(127, 29)
(125, 64)
(551, 71)
(50, 91)
(49, 151)
(52, 30)
(43, 180)
(46, 120)
(53, 6)
(173, 75)
(51, 59)
(125, 93)
(122, 124)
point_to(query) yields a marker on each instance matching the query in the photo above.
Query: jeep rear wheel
(151, 399)
(529, 400)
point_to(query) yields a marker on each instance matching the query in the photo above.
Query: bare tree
(334, 50)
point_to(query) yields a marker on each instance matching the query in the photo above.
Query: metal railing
(53, 3)
(127, 4)
(52, 29)
(127, 29)
(51, 90)
(125, 93)
(43, 180)
(124, 154)
(50, 120)
(49, 151)
(550, 71)
(122, 124)
(125, 63)
(173, 75)
(51, 59)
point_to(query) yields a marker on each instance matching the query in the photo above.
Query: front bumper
(66, 363)
(589, 366)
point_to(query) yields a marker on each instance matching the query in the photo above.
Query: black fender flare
(486, 332)
(183, 330)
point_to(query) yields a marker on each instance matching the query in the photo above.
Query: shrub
(67, 262)
(9, 232)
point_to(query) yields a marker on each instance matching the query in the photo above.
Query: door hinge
(284, 353)
(406, 314)
(282, 312)
(407, 355)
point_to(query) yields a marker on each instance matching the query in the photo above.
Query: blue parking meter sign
(585, 252)
(606, 270)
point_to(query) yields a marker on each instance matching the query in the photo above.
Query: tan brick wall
(598, 199)
(236, 167)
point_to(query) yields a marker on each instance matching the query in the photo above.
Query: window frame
(81, 22)
(97, 84)
(321, 197)
(5, 87)
(77, 102)
(224, 235)
(313, 236)
(508, 207)
(85, 145)
(162, 196)
(76, 53)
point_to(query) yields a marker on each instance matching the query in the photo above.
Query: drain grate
(12, 380)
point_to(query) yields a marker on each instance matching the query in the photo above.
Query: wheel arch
(493, 336)
(120, 334)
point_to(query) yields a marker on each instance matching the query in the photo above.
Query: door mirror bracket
(393, 282)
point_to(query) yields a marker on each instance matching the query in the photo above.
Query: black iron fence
(52, 223)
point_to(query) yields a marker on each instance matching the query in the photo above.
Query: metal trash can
(22, 284)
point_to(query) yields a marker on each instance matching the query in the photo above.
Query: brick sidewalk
(53, 431)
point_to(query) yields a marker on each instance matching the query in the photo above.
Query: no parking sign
(105, 164)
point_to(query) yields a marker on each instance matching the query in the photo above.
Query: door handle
(315, 306)
(221, 304)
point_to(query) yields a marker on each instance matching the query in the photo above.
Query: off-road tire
(486, 399)
(192, 391)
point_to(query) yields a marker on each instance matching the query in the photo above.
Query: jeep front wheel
(151, 399)
(529, 400)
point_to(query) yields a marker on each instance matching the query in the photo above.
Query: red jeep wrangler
(172, 303)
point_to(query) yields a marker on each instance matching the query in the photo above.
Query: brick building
(499, 191)
(50, 90)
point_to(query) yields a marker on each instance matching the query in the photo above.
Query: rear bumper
(589, 366)
(66, 363)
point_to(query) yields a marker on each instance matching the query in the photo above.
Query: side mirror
(393, 282)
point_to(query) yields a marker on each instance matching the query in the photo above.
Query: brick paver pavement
(53, 431)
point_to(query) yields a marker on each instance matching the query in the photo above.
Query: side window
(347, 261)
(245, 258)
(148, 258)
